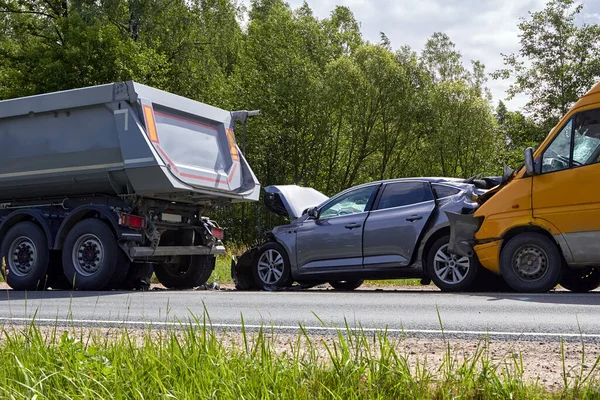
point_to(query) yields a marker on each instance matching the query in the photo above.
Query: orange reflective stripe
(232, 146)
(150, 124)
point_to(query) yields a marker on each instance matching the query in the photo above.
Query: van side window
(557, 155)
(403, 194)
(586, 137)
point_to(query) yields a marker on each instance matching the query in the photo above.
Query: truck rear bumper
(165, 251)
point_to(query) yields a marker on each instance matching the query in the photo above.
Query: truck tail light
(133, 221)
(217, 232)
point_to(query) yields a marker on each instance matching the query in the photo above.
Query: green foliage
(558, 61)
(336, 110)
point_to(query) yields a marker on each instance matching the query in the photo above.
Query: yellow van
(541, 225)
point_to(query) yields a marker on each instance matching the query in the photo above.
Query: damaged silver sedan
(392, 229)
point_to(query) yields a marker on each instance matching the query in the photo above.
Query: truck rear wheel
(25, 253)
(90, 255)
(581, 281)
(531, 262)
(186, 272)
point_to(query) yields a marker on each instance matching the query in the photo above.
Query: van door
(567, 192)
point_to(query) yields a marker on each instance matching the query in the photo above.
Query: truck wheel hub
(88, 254)
(23, 256)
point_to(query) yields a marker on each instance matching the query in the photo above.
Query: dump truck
(540, 227)
(102, 185)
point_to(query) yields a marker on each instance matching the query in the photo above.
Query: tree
(558, 60)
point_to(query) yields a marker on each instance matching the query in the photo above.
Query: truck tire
(188, 272)
(90, 255)
(139, 277)
(25, 253)
(449, 272)
(346, 286)
(530, 262)
(582, 280)
(272, 267)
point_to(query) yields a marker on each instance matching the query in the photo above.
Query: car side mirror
(529, 162)
(313, 213)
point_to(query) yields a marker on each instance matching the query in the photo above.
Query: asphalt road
(417, 313)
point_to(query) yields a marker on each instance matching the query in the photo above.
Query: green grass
(198, 363)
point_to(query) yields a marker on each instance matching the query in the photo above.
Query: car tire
(581, 281)
(25, 252)
(272, 267)
(449, 272)
(530, 262)
(189, 272)
(90, 255)
(346, 286)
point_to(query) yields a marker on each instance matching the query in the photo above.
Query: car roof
(452, 181)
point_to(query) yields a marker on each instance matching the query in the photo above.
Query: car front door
(566, 193)
(334, 239)
(394, 226)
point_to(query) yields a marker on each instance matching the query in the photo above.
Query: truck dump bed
(120, 139)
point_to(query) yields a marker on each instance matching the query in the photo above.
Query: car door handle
(414, 218)
(352, 225)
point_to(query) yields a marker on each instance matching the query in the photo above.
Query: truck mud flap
(462, 233)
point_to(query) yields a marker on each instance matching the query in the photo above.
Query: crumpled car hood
(292, 200)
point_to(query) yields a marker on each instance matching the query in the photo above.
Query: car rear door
(394, 226)
(333, 241)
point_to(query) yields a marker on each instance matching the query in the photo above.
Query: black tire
(545, 265)
(346, 286)
(139, 277)
(267, 266)
(581, 280)
(121, 271)
(457, 266)
(96, 268)
(187, 273)
(26, 256)
(243, 280)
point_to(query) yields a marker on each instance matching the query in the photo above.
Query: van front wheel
(530, 262)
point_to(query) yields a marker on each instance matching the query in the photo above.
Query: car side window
(403, 194)
(445, 191)
(353, 202)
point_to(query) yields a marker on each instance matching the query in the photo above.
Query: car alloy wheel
(270, 267)
(450, 268)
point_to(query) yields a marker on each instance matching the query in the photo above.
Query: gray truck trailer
(100, 186)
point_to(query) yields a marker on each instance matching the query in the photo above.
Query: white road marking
(297, 328)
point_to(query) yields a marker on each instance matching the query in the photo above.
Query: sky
(481, 29)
